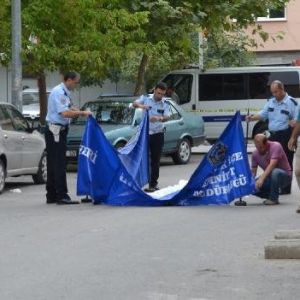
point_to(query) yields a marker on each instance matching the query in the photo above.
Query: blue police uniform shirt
(58, 102)
(158, 108)
(280, 113)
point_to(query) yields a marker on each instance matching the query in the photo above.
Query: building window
(277, 14)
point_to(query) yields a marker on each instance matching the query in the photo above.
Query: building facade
(80, 96)
(285, 22)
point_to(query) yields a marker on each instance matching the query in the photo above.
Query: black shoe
(151, 189)
(50, 201)
(270, 202)
(86, 200)
(285, 191)
(66, 202)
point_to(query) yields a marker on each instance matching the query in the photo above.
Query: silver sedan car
(22, 149)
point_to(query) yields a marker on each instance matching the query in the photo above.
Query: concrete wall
(269, 58)
(280, 52)
(80, 96)
(289, 27)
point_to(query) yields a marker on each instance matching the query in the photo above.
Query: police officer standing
(159, 112)
(60, 111)
(281, 111)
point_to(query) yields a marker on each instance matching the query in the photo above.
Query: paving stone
(283, 249)
(287, 234)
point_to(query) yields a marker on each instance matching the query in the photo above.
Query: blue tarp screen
(114, 178)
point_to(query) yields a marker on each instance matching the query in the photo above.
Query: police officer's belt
(279, 131)
(58, 124)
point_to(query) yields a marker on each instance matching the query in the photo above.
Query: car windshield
(31, 98)
(119, 113)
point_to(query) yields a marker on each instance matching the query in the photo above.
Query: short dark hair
(161, 85)
(70, 75)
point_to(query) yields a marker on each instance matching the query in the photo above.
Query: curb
(286, 245)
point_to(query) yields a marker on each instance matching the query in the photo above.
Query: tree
(229, 49)
(87, 36)
(101, 38)
(167, 41)
(5, 24)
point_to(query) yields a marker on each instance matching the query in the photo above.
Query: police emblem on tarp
(217, 154)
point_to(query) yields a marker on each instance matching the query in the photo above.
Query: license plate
(71, 153)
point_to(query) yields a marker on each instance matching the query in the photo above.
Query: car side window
(5, 119)
(19, 122)
(174, 114)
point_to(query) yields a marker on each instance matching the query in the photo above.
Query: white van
(218, 93)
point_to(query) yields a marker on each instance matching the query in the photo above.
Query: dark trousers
(156, 142)
(56, 185)
(278, 179)
(283, 137)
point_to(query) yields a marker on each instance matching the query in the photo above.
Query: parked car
(119, 121)
(31, 104)
(104, 96)
(22, 149)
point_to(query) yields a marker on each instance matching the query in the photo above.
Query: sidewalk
(206, 147)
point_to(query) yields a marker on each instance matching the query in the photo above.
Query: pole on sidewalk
(16, 63)
(242, 202)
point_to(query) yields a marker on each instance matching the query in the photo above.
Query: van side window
(221, 87)
(182, 84)
(259, 83)
(234, 86)
(290, 80)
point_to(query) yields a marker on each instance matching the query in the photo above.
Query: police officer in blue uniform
(281, 112)
(159, 112)
(60, 112)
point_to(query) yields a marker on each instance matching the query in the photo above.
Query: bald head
(261, 143)
(278, 84)
(277, 90)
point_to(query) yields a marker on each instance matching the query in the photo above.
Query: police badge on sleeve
(63, 100)
(217, 154)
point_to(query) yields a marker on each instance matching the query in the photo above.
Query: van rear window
(259, 83)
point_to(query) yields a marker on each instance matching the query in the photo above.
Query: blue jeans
(278, 179)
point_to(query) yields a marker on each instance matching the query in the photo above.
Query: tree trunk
(140, 82)
(41, 81)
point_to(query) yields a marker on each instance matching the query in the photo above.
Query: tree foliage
(116, 38)
(88, 36)
(228, 49)
(168, 42)
(5, 26)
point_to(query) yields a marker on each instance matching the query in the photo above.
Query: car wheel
(41, 175)
(183, 153)
(2, 176)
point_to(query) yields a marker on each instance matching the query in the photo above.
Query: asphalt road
(136, 253)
